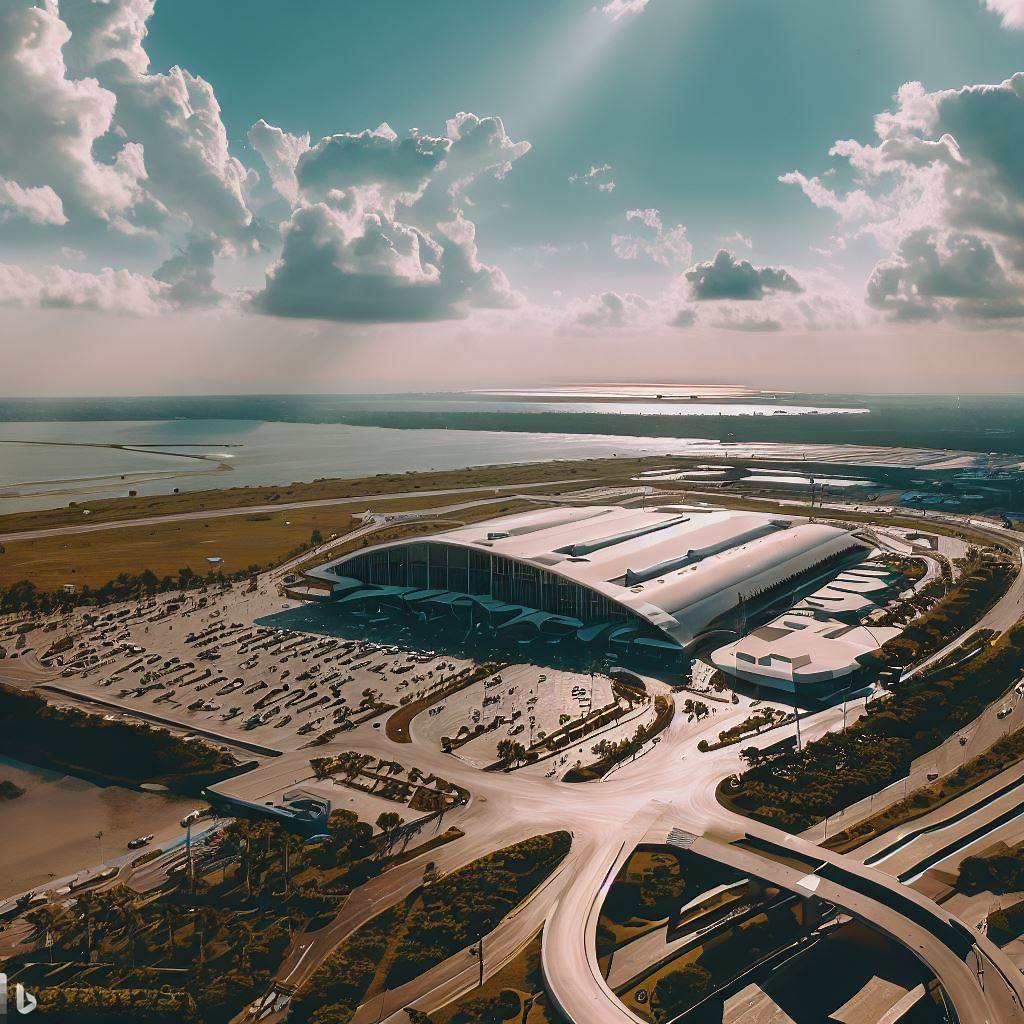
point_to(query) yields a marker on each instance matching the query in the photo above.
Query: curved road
(671, 786)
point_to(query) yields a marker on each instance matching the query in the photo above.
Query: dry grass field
(262, 538)
(119, 509)
(96, 558)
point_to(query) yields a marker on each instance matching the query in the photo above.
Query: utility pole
(188, 857)
(480, 951)
(799, 744)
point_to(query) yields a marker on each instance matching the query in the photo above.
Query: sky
(332, 196)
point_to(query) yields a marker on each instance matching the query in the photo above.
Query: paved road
(606, 818)
(505, 490)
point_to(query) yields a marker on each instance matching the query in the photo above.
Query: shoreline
(50, 831)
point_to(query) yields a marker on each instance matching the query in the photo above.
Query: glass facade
(431, 566)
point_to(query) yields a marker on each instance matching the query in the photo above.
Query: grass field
(118, 509)
(262, 538)
(95, 558)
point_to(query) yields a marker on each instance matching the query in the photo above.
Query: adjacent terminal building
(658, 583)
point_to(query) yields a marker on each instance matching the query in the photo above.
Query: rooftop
(676, 566)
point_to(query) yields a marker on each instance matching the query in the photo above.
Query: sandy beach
(51, 831)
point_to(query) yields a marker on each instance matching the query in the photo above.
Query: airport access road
(980, 982)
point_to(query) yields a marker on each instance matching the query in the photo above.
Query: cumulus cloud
(280, 152)
(50, 121)
(39, 204)
(935, 273)
(685, 317)
(1011, 11)
(379, 231)
(651, 239)
(725, 277)
(374, 158)
(109, 291)
(609, 310)
(598, 176)
(188, 275)
(729, 321)
(941, 191)
(361, 265)
(82, 116)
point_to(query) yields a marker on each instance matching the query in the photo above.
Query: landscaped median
(984, 581)
(615, 753)
(1001, 755)
(436, 921)
(398, 725)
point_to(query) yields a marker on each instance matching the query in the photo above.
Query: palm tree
(389, 822)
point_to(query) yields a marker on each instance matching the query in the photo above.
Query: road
(672, 786)
(505, 490)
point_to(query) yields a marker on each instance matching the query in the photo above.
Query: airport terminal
(647, 586)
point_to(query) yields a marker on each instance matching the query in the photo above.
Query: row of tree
(51, 736)
(449, 913)
(204, 946)
(793, 789)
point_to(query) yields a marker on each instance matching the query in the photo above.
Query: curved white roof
(678, 567)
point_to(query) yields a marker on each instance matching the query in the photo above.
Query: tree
(679, 990)
(751, 756)
(389, 822)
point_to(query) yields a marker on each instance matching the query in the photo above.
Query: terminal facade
(663, 584)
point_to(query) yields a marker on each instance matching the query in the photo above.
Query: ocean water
(74, 461)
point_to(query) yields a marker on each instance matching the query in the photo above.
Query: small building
(810, 660)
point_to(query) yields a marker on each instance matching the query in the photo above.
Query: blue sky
(699, 105)
(615, 193)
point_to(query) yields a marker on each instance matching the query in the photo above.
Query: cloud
(669, 247)
(934, 274)
(40, 204)
(110, 291)
(725, 277)
(609, 310)
(616, 10)
(188, 275)
(82, 115)
(685, 317)
(856, 204)
(737, 240)
(360, 265)
(371, 158)
(50, 121)
(1012, 11)
(379, 231)
(941, 191)
(750, 324)
(280, 152)
(598, 176)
